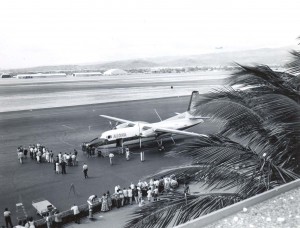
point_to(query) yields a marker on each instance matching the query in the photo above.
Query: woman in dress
(104, 201)
(109, 201)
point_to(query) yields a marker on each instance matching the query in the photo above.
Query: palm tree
(256, 149)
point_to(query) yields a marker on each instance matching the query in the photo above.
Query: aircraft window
(109, 136)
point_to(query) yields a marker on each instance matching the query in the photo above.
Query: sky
(56, 32)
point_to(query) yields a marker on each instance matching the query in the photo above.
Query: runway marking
(68, 127)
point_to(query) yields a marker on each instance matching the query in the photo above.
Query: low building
(114, 72)
(6, 76)
(86, 74)
(41, 75)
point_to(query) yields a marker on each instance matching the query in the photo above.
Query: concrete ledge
(238, 207)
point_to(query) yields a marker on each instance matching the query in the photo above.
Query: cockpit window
(109, 136)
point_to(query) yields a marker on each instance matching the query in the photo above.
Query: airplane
(137, 132)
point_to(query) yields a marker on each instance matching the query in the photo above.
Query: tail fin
(192, 101)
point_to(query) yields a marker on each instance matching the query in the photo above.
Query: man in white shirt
(76, 213)
(85, 170)
(7, 218)
(116, 188)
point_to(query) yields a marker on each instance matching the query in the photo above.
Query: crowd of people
(41, 154)
(136, 193)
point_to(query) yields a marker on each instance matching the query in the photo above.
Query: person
(104, 203)
(58, 219)
(85, 170)
(149, 194)
(63, 167)
(92, 198)
(25, 153)
(117, 187)
(118, 200)
(59, 157)
(57, 167)
(135, 194)
(76, 213)
(51, 156)
(127, 153)
(125, 193)
(20, 156)
(109, 201)
(121, 195)
(72, 189)
(75, 152)
(20, 225)
(38, 156)
(155, 194)
(140, 196)
(166, 184)
(49, 220)
(111, 155)
(7, 218)
(69, 159)
(31, 152)
(130, 195)
(47, 156)
(30, 223)
(74, 159)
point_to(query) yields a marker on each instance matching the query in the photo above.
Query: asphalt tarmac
(63, 130)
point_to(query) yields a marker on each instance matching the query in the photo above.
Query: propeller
(157, 114)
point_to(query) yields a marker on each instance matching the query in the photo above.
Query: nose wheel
(160, 146)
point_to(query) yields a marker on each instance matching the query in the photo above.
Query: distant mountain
(269, 56)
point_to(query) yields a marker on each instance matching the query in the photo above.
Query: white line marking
(68, 127)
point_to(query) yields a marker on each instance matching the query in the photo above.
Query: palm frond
(294, 65)
(240, 122)
(177, 209)
(264, 78)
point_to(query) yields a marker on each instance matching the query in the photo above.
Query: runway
(62, 130)
(27, 94)
(64, 113)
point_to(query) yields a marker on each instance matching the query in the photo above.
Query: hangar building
(41, 75)
(114, 72)
(86, 74)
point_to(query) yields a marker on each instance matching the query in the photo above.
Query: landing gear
(160, 146)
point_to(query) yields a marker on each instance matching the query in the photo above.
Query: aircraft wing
(119, 120)
(179, 132)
